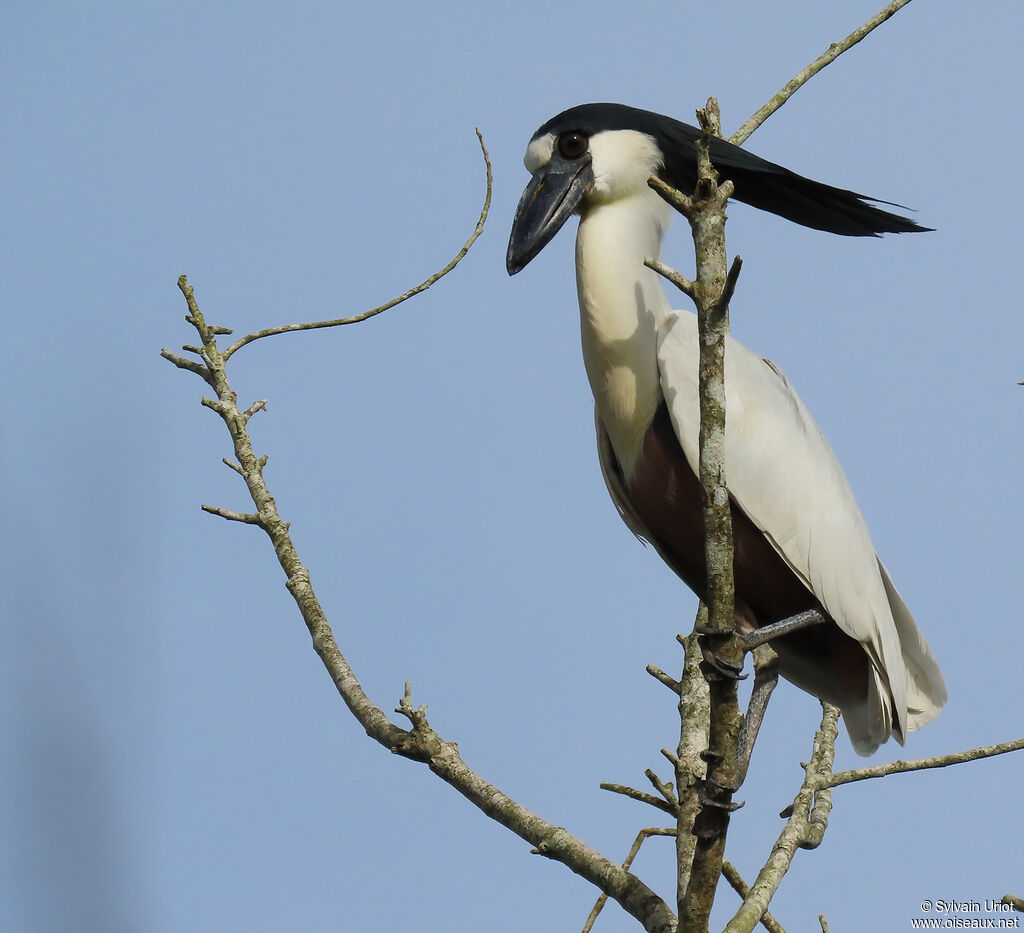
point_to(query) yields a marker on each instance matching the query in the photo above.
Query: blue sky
(177, 757)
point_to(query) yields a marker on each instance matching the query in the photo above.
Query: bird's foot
(712, 665)
(729, 806)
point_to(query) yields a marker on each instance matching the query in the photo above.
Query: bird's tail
(926, 690)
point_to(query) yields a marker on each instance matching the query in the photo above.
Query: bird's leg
(766, 633)
(766, 672)
(766, 676)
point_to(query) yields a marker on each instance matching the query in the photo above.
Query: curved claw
(729, 807)
(716, 668)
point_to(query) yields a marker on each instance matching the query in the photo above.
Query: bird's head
(596, 153)
(591, 154)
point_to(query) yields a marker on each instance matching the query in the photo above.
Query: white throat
(622, 305)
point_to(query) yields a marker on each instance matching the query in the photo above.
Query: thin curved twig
(826, 58)
(405, 296)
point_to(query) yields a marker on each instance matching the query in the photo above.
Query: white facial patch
(622, 161)
(538, 153)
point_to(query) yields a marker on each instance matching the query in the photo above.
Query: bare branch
(234, 466)
(213, 404)
(420, 742)
(802, 77)
(730, 285)
(193, 367)
(418, 715)
(817, 820)
(247, 518)
(679, 200)
(658, 674)
(824, 923)
(923, 764)
(664, 788)
(680, 281)
(737, 883)
(640, 795)
(1011, 900)
(405, 296)
(710, 119)
(261, 405)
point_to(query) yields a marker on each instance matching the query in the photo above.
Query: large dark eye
(572, 145)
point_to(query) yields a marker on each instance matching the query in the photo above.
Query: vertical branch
(723, 653)
(689, 762)
(726, 653)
